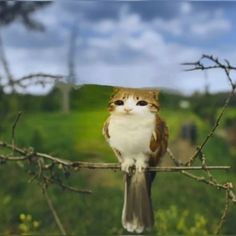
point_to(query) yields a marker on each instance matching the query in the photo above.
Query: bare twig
(212, 131)
(5, 64)
(40, 75)
(227, 187)
(13, 131)
(198, 65)
(77, 165)
(204, 180)
(14, 158)
(53, 211)
(204, 164)
(25, 81)
(174, 159)
(227, 68)
(33, 79)
(224, 214)
(66, 187)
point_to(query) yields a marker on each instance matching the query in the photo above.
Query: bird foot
(127, 166)
(141, 165)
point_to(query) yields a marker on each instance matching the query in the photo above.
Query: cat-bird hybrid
(138, 137)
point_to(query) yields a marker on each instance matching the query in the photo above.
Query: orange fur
(151, 96)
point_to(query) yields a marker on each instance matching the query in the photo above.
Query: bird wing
(105, 130)
(107, 137)
(158, 142)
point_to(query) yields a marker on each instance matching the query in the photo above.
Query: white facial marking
(130, 107)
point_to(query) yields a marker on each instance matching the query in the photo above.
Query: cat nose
(128, 109)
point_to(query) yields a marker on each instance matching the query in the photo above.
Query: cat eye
(119, 102)
(141, 103)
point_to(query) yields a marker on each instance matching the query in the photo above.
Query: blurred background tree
(11, 11)
(67, 86)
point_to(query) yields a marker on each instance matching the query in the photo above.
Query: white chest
(131, 134)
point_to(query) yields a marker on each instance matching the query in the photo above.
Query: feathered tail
(137, 214)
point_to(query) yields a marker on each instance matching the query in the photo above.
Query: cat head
(134, 101)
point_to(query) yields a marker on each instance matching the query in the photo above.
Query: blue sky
(128, 43)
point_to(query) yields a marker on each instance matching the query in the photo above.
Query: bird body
(131, 134)
(138, 137)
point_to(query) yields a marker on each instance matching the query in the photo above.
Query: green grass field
(78, 136)
(81, 131)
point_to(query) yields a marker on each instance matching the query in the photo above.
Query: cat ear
(155, 93)
(114, 92)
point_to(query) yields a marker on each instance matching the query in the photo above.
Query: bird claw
(141, 165)
(127, 166)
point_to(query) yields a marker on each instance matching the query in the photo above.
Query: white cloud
(173, 26)
(211, 27)
(127, 51)
(185, 8)
(210, 24)
(106, 26)
(156, 63)
(199, 24)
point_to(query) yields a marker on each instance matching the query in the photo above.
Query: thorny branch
(224, 214)
(48, 168)
(53, 210)
(13, 131)
(29, 155)
(10, 82)
(4, 63)
(41, 79)
(215, 63)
